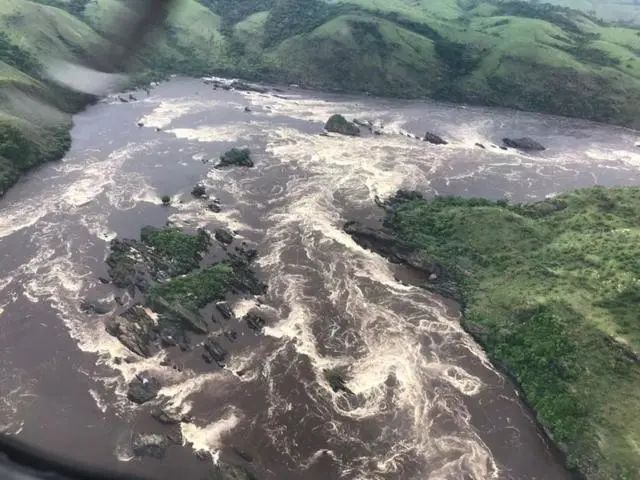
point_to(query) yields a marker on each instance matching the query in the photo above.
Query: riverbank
(549, 289)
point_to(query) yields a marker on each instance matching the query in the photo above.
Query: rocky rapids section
(176, 288)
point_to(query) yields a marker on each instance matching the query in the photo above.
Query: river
(427, 404)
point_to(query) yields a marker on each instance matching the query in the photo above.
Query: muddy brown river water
(427, 404)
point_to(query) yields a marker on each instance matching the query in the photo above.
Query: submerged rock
(199, 191)
(236, 157)
(225, 471)
(143, 389)
(524, 143)
(339, 124)
(214, 207)
(435, 139)
(150, 445)
(167, 416)
(337, 382)
(99, 307)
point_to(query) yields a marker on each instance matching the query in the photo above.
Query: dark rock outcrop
(434, 139)
(225, 310)
(382, 241)
(215, 350)
(524, 143)
(143, 389)
(135, 330)
(255, 322)
(339, 124)
(223, 236)
(150, 445)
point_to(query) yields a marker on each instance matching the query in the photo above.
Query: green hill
(551, 291)
(623, 11)
(529, 56)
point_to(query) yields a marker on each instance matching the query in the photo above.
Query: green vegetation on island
(551, 290)
(169, 271)
(240, 157)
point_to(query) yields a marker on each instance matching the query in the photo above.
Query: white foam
(219, 133)
(167, 111)
(209, 438)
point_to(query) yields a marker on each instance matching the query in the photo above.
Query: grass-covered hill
(552, 291)
(531, 56)
(622, 11)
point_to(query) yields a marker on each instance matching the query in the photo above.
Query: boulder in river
(339, 124)
(215, 350)
(214, 207)
(225, 310)
(143, 389)
(524, 143)
(150, 445)
(239, 157)
(435, 139)
(223, 236)
(135, 329)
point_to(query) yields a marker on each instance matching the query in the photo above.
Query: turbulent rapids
(423, 401)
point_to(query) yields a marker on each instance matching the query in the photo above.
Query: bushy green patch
(240, 157)
(551, 291)
(195, 289)
(181, 250)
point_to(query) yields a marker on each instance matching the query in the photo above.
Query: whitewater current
(426, 403)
